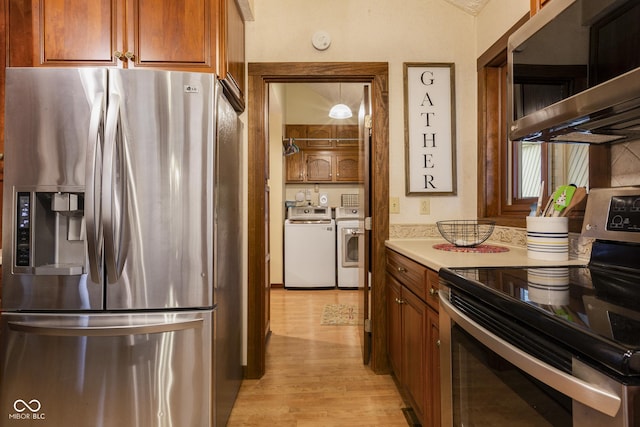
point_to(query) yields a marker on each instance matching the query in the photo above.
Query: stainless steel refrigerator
(121, 249)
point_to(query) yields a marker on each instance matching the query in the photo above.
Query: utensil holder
(548, 238)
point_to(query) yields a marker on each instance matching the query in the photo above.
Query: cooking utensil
(562, 198)
(539, 205)
(547, 207)
(579, 195)
(550, 207)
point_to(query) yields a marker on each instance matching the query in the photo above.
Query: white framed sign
(429, 126)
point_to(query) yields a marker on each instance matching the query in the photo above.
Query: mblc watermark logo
(27, 410)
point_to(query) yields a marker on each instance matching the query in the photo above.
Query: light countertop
(423, 252)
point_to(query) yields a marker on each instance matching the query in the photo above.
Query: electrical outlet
(425, 207)
(394, 205)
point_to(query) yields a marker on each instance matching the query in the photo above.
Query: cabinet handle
(402, 269)
(123, 56)
(433, 292)
(438, 343)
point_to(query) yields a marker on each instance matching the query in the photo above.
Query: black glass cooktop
(593, 312)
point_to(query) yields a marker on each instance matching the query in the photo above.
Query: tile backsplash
(625, 164)
(625, 170)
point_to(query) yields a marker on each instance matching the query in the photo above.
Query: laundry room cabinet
(328, 154)
(413, 336)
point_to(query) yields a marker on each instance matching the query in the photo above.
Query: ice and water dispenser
(50, 233)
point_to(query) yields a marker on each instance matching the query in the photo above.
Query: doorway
(260, 76)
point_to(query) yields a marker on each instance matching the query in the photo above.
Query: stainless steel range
(556, 346)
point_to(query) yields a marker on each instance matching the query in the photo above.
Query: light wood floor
(314, 373)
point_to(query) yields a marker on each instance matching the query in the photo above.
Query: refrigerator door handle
(104, 331)
(113, 192)
(93, 187)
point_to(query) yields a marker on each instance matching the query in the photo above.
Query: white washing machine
(309, 248)
(348, 240)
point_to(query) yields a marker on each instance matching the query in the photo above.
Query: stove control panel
(624, 214)
(613, 214)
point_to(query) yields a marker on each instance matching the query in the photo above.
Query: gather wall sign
(429, 115)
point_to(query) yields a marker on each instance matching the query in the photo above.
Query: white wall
(496, 18)
(379, 30)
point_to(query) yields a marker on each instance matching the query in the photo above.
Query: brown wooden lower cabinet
(413, 337)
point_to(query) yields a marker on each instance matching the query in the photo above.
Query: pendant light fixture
(340, 110)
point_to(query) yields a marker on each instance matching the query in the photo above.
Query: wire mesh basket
(466, 233)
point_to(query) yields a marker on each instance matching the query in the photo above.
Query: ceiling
(470, 6)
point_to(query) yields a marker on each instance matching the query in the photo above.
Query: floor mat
(340, 315)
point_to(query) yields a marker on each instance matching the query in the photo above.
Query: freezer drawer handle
(104, 331)
(575, 388)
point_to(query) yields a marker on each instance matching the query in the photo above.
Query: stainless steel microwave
(574, 73)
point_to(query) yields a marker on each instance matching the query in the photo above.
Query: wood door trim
(259, 77)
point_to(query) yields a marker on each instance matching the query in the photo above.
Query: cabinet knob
(123, 56)
(438, 343)
(402, 269)
(433, 292)
(399, 301)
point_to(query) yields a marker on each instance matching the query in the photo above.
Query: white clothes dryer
(348, 241)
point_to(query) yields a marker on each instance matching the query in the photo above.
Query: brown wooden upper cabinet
(328, 153)
(185, 35)
(536, 5)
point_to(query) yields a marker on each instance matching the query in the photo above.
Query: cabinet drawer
(433, 286)
(408, 272)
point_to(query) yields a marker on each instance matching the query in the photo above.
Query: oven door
(490, 381)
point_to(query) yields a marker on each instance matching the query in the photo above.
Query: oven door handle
(575, 388)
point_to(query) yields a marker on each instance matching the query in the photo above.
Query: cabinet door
(77, 32)
(232, 56)
(346, 135)
(394, 326)
(414, 350)
(323, 134)
(536, 5)
(178, 35)
(296, 131)
(319, 167)
(295, 167)
(433, 286)
(347, 168)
